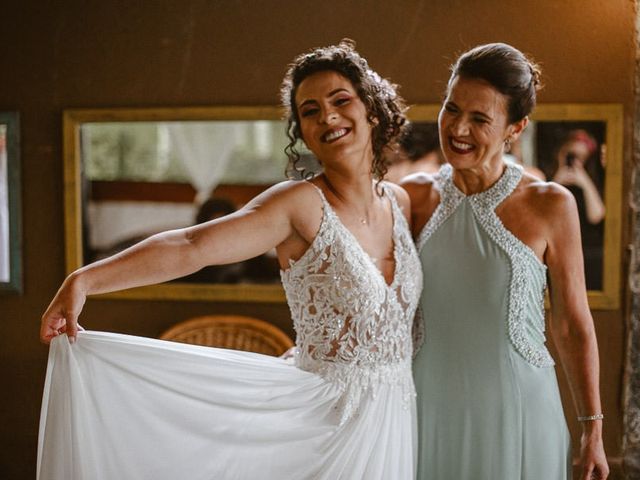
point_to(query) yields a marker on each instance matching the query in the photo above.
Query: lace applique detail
(352, 328)
(528, 274)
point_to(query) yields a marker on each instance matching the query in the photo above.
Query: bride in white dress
(123, 407)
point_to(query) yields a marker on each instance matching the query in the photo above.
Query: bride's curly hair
(385, 108)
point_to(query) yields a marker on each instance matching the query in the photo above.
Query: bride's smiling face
(333, 118)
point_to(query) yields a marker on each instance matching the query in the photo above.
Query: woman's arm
(594, 206)
(262, 224)
(571, 323)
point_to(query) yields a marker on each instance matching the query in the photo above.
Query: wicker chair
(231, 331)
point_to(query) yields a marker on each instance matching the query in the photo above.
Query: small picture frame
(10, 204)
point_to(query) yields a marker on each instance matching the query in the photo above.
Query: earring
(507, 143)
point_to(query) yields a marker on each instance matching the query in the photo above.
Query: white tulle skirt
(119, 407)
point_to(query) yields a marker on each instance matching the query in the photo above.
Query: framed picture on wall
(10, 209)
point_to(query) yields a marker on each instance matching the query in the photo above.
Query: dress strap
(399, 220)
(388, 191)
(328, 213)
(450, 198)
(325, 202)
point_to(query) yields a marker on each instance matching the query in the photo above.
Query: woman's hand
(573, 175)
(290, 355)
(62, 314)
(593, 460)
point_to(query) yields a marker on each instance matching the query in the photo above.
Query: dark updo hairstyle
(507, 70)
(385, 108)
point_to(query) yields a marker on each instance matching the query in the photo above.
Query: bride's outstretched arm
(262, 224)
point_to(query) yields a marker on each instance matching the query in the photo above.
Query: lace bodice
(527, 284)
(352, 327)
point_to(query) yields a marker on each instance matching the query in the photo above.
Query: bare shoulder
(295, 203)
(548, 200)
(421, 188)
(290, 195)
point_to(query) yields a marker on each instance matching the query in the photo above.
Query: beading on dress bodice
(528, 274)
(352, 327)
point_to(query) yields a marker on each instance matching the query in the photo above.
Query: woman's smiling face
(473, 124)
(333, 118)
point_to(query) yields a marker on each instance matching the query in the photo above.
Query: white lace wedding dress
(119, 407)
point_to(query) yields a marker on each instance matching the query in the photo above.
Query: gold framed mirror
(123, 183)
(126, 177)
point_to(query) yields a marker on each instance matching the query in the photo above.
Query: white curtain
(204, 148)
(4, 210)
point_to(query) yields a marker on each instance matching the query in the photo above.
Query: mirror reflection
(146, 177)
(141, 178)
(418, 151)
(573, 154)
(10, 209)
(5, 257)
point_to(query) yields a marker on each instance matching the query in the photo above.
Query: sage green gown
(488, 401)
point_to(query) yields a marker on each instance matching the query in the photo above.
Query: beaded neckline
(521, 256)
(497, 192)
(491, 197)
(451, 197)
(485, 201)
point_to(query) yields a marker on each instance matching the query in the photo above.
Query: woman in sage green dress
(489, 235)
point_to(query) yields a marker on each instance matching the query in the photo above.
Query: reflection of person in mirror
(261, 269)
(578, 150)
(418, 150)
(576, 166)
(515, 154)
(212, 209)
(145, 408)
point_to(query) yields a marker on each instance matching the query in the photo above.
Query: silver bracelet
(588, 418)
